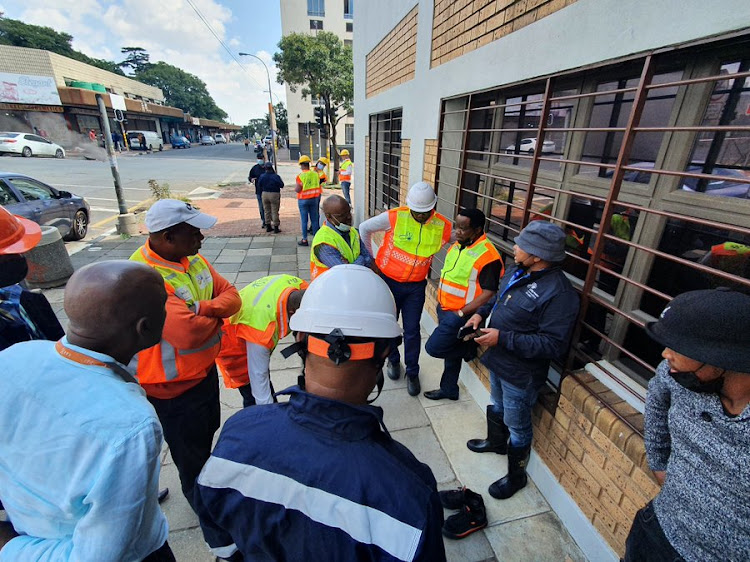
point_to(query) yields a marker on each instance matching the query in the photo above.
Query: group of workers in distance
(319, 476)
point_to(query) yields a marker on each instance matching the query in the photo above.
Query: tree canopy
(137, 59)
(319, 66)
(282, 119)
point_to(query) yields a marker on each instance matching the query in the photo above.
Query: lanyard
(518, 276)
(83, 359)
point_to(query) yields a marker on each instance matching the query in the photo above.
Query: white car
(529, 146)
(219, 138)
(28, 144)
(207, 139)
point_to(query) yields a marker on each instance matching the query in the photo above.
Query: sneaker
(456, 499)
(467, 521)
(302, 243)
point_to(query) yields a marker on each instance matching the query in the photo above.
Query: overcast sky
(170, 30)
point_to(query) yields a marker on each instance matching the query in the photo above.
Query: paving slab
(281, 258)
(539, 538)
(246, 277)
(401, 411)
(226, 267)
(178, 511)
(188, 546)
(284, 250)
(260, 251)
(421, 441)
(229, 258)
(256, 263)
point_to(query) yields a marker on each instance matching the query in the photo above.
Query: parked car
(529, 146)
(180, 142)
(152, 140)
(219, 138)
(207, 139)
(45, 205)
(28, 144)
(719, 187)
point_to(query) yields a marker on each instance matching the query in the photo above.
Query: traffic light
(119, 116)
(319, 111)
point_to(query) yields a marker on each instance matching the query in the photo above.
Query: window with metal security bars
(316, 24)
(348, 10)
(348, 133)
(384, 161)
(349, 27)
(645, 164)
(316, 8)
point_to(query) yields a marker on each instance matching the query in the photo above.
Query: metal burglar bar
(384, 161)
(669, 213)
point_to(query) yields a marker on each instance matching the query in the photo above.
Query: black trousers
(162, 554)
(647, 542)
(189, 422)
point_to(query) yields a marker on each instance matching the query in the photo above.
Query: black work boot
(455, 499)
(518, 458)
(471, 518)
(497, 436)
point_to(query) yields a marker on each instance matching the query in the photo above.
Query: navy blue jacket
(535, 316)
(317, 479)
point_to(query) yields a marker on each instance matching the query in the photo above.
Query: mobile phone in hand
(467, 331)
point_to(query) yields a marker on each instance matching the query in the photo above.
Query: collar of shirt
(322, 415)
(110, 364)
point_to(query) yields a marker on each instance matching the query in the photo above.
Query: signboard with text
(25, 88)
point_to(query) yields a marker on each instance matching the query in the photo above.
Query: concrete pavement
(522, 528)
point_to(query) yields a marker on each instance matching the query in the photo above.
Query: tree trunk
(334, 148)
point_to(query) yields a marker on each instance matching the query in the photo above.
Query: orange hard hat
(17, 234)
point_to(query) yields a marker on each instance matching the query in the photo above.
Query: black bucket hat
(711, 326)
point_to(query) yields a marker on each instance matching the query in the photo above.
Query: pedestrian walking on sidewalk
(308, 190)
(81, 446)
(255, 172)
(270, 184)
(346, 169)
(319, 477)
(412, 235)
(247, 145)
(531, 320)
(697, 433)
(179, 372)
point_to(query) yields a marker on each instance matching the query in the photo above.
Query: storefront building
(628, 125)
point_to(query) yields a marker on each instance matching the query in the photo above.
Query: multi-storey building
(311, 16)
(628, 124)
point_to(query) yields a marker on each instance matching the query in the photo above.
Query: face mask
(13, 269)
(320, 166)
(690, 381)
(342, 227)
(260, 162)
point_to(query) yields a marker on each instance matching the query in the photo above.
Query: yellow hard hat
(303, 159)
(325, 160)
(345, 152)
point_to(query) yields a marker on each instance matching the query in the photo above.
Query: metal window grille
(384, 161)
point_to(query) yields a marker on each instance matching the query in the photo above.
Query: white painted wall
(586, 32)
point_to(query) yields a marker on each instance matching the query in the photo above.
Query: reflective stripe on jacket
(459, 279)
(326, 235)
(407, 249)
(345, 172)
(191, 281)
(263, 319)
(310, 185)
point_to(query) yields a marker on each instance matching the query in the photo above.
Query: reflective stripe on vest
(459, 280)
(345, 173)
(191, 281)
(407, 249)
(327, 235)
(261, 320)
(310, 185)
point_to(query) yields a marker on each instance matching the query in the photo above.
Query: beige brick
(596, 454)
(600, 522)
(585, 499)
(607, 484)
(557, 443)
(585, 477)
(563, 419)
(629, 508)
(574, 448)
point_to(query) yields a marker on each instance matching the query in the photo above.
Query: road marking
(104, 209)
(109, 199)
(113, 217)
(98, 186)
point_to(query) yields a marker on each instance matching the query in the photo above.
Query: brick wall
(393, 60)
(403, 177)
(461, 26)
(596, 457)
(430, 161)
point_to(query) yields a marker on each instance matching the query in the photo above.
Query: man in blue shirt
(319, 477)
(80, 444)
(337, 235)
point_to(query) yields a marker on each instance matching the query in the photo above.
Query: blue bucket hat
(543, 240)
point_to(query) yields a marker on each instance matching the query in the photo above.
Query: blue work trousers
(409, 299)
(345, 187)
(308, 210)
(444, 344)
(515, 404)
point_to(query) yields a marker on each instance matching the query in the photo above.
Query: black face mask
(690, 381)
(13, 269)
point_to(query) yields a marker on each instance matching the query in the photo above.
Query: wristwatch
(460, 313)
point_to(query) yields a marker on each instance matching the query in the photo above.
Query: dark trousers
(444, 344)
(247, 395)
(189, 422)
(647, 542)
(409, 299)
(162, 554)
(259, 197)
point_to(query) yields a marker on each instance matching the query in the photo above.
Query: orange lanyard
(77, 357)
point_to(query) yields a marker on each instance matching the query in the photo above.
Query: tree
(20, 34)
(321, 65)
(282, 119)
(257, 126)
(137, 59)
(181, 89)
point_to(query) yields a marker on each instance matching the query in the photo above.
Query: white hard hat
(351, 298)
(421, 197)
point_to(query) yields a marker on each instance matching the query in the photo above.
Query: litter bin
(49, 262)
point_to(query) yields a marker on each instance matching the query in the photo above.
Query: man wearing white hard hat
(412, 235)
(319, 477)
(179, 373)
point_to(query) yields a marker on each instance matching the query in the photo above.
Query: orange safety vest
(310, 182)
(459, 280)
(191, 281)
(407, 249)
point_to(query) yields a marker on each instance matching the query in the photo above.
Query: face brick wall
(430, 161)
(461, 26)
(404, 170)
(393, 60)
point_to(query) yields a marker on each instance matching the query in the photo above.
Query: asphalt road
(183, 169)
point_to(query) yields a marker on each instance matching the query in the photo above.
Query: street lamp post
(271, 116)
